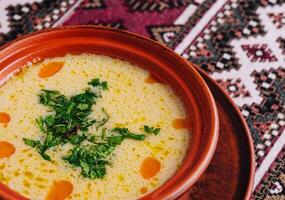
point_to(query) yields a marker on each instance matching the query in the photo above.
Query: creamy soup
(89, 127)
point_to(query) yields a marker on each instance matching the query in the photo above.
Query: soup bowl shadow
(163, 63)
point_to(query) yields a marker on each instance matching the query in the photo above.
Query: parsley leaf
(127, 134)
(151, 130)
(39, 147)
(97, 83)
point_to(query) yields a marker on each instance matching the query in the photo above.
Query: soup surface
(126, 97)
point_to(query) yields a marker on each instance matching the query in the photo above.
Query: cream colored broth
(131, 102)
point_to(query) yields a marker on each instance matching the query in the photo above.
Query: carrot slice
(4, 117)
(150, 79)
(50, 69)
(6, 149)
(60, 190)
(150, 167)
(179, 123)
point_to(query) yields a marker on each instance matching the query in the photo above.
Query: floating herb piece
(151, 130)
(127, 134)
(104, 120)
(97, 83)
(40, 148)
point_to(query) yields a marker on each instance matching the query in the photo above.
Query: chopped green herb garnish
(151, 130)
(40, 148)
(104, 120)
(69, 122)
(127, 134)
(97, 83)
(69, 119)
(93, 159)
(90, 159)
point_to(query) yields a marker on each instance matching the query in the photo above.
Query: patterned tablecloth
(240, 43)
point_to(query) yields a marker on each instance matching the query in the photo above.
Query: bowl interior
(162, 63)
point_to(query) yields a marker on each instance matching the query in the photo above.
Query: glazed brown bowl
(165, 65)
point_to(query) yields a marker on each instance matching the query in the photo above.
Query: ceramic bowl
(161, 62)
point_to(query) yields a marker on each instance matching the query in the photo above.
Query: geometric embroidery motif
(112, 24)
(91, 4)
(163, 34)
(155, 5)
(259, 53)
(281, 42)
(277, 19)
(234, 88)
(273, 185)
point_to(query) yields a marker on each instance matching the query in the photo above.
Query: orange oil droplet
(150, 167)
(179, 123)
(60, 190)
(6, 149)
(50, 69)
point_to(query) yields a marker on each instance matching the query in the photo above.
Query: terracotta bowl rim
(206, 157)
